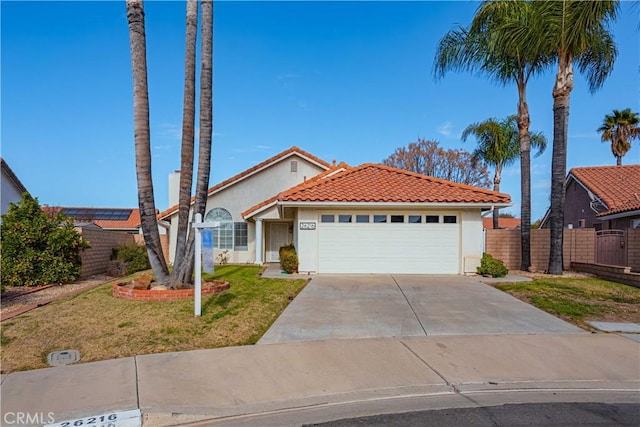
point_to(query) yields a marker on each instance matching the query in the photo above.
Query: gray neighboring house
(601, 197)
(11, 188)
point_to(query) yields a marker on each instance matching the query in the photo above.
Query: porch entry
(278, 236)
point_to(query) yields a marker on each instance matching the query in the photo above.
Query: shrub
(37, 248)
(134, 257)
(491, 266)
(289, 259)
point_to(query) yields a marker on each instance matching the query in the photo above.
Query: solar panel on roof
(98, 214)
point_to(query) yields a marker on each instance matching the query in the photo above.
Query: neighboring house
(503, 223)
(341, 219)
(602, 197)
(114, 219)
(11, 190)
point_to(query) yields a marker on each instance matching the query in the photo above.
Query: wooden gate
(611, 247)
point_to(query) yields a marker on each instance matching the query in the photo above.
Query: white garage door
(389, 243)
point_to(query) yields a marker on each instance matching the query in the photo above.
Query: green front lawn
(103, 327)
(579, 300)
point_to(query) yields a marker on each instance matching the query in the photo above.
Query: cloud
(445, 128)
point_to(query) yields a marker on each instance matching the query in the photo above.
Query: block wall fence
(95, 260)
(579, 246)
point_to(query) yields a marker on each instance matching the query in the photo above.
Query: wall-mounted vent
(294, 166)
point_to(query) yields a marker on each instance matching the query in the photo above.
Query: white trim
(399, 205)
(262, 209)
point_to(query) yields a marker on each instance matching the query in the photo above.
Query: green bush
(134, 257)
(289, 259)
(491, 266)
(37, 248)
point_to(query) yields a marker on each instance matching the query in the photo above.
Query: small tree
(37, 248)
(428, 158)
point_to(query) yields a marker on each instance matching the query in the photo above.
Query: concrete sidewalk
(321, 380)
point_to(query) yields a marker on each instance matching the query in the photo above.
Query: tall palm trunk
(188, 124)
(561, 93)
(525, 176)
(496, 187)
(149, 222)
(206, 128)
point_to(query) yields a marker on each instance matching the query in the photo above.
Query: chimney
(174, 188)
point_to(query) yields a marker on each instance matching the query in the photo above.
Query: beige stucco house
(343, 219)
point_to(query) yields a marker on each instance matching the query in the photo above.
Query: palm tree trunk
(146, 201)
(496, 187)
(619, 160)
(206, 129)
(561, 93)
(188, 124)
(525, 179)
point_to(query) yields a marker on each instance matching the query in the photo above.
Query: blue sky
(349, 81)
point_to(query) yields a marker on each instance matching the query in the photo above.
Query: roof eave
(395, 204)
(633, 212)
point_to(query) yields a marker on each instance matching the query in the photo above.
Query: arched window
(222, 236)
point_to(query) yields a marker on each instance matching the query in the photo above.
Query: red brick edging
(120, 291)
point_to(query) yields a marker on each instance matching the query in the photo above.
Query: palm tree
(480, 48)
(206, 131)
(619, 128)
(146, 201)
(188, 124)
(575, 32)
(499, 146)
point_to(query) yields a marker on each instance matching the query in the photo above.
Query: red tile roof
(132, 222)
(375, 183)
(293, 150)
(617, 186)
(508, 223)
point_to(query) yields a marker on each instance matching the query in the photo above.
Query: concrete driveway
(367, 306)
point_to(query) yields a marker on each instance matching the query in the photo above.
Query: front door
(279, 236)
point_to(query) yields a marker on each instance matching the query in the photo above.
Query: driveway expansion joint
(409, 303)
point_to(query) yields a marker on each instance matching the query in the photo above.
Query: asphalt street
(541, 414)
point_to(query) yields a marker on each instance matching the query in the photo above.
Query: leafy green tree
(499, 146)
(481, 48)
(38, 249)
(619, 129)
(576, 33)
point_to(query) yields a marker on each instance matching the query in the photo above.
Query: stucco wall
(9, 193)
(471, 240)
(249, 192)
